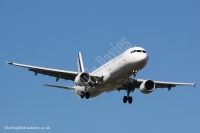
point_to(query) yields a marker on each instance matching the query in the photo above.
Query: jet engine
(147, 86)
(82, 79)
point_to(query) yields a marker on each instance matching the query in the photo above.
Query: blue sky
(50, 33)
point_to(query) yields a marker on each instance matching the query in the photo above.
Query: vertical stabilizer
(80, 66)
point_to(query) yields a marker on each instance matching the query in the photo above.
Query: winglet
(194, 85)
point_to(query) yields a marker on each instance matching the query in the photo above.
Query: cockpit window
(139, 51)
(133, 51)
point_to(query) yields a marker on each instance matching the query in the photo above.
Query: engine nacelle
(147, 86)
(82, 79)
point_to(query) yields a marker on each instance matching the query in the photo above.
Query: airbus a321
(113, 75)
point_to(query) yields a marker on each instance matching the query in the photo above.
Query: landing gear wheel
(82, 96)
(130, 99)
(125, 99)
(87, 95)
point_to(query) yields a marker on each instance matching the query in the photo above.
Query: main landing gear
(85, 94)
(128, 98)
(131, 88)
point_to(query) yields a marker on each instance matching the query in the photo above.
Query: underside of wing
(158, 84)
(59, 74)
(67, 75)
(163, 84)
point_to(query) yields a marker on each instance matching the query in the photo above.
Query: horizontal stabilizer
(58, 86)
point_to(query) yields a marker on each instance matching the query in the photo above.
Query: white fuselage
(118, 70)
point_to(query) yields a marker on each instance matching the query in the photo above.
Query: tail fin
(80, 66)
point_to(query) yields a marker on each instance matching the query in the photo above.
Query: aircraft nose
(142, 60)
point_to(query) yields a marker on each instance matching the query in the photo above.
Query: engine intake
(147, 86)
(82, 79)
(85, 77)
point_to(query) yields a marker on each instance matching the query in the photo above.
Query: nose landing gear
(134, 73)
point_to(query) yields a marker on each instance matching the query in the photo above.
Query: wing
(67, 75)
(158, 84)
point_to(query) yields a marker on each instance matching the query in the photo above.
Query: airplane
(113, 75)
